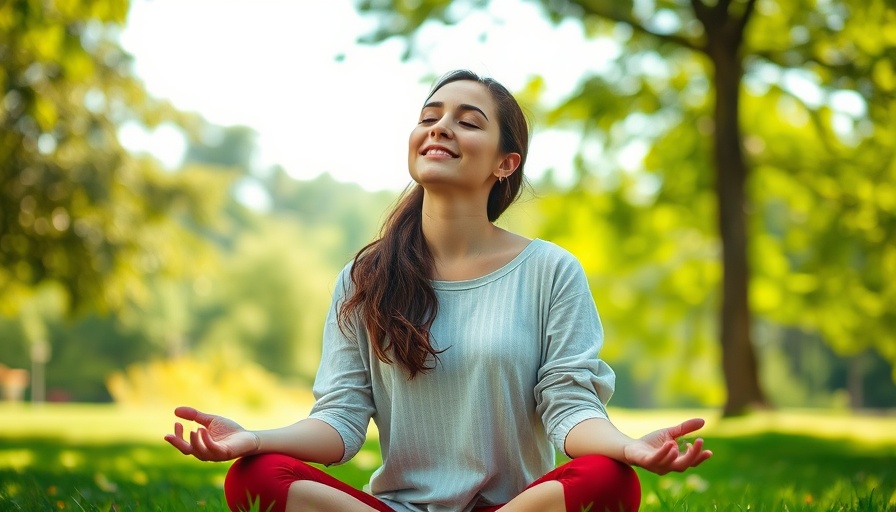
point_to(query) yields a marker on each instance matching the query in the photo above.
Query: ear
(508, 165)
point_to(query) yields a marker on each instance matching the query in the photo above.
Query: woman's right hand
(218, 439)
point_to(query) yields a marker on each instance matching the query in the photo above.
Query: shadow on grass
(756, 472)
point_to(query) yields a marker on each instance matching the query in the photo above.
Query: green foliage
(346, 216)
(69, 374)
(75, 207)
(215, 383)
(822, 259)
(257, 289)
(269, 300)
(816, 110)
(223, 146)
(654, 279)
(167, 264)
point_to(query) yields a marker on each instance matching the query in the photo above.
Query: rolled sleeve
(342, 390)
(574, 384)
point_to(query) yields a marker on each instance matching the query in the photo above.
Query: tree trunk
(855, 381)
(738, 355)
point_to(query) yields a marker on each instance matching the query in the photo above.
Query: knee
(612, 485)
(263, 479)
(628, 485)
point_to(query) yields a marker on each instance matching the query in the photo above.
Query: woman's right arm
(337, 425)
(221, 439)
(310, 440)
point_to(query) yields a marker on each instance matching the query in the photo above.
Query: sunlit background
(182, 180)
(320, 101)
(269, 138)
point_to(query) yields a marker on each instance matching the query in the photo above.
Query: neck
(455, 229)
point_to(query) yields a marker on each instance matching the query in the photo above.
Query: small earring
(500, 179)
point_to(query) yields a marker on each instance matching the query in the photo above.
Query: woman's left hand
(659, 453)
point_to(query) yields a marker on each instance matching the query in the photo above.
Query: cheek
(483, 148)
(415, 139)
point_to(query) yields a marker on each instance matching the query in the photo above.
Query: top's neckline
(466, 284)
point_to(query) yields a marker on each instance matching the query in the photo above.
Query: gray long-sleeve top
(520, 369)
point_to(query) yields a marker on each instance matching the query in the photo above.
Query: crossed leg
(310, 496)
(594, 483)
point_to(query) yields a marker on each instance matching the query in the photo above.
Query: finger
(177, 440)
(180, 444)
(697, 446)
(664, 458)
(660, 457)
(703, 457)
(694, 455)
(199, 449)
(692, 450)
(672, 455)
(192, 414)
(205, 437)
(187, 413)
(687, 427)
(700, 454)
(214, 450)
(677, 460)
(686, 459)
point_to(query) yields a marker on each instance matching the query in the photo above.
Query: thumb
(687, 427)
(191, 414)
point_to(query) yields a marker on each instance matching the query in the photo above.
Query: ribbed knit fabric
(520, 369)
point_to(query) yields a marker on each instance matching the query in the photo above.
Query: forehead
(465, 92)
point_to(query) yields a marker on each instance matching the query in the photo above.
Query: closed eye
(468, 124)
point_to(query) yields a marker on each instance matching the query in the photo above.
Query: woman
(472, 348)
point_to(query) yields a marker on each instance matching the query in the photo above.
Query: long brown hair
(393, 291)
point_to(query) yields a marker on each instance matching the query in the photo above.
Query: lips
(436, 150)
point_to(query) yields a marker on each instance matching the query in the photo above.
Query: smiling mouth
(431, 151)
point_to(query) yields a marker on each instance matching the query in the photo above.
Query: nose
(440, 129)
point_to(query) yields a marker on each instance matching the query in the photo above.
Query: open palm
(218, 439)
(659, 453)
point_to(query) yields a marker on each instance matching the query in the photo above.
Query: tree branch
(824, 135)
(701, 10)
(848, 69)
(778, 59)
(745, 17)
(597, 9)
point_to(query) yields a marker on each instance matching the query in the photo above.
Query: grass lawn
(103, 458)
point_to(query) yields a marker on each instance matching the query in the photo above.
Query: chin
(423, 176)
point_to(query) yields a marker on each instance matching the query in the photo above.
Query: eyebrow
(462, 106)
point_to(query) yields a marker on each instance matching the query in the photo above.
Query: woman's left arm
(657, 452)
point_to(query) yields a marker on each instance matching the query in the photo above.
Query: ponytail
(393, 290)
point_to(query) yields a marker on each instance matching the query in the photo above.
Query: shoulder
(555, 268)
(554, 256)
(344, 284)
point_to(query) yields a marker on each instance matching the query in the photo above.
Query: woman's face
(457, 138)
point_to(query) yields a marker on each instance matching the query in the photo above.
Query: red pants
(605, 484)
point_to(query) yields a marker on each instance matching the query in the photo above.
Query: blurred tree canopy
(76, 209)
(219, 262)
(767, 177)
(257, 292)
